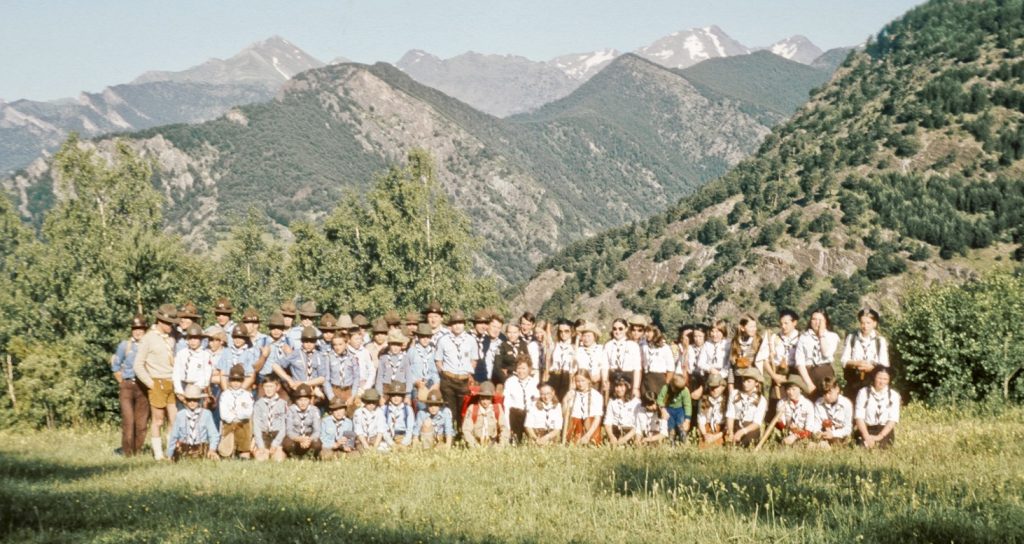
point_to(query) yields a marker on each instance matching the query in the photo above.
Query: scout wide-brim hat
(433, 308)
(588, 327)
(328, 323)
(303, 391)
(309, 334)
(223, 306)
(194, 331)
(139, 322)
(216, 333)
(395, 389)
(380, 326)
(412, 318)
(434, 399)
(798, 381)
(637, 321)
(392, 318)
(423, 329)
(396, 337)
(360, 321)
(750, 373)
(481, 316)
(250, 315)
(237, 373)
(456, 317)
(189, 310)
(166, 313)
(345, 323)
(370, 396)
(240, 332)
(486, 390)
(308, 309)
(715, 380)
(288, 308)
(276, 320)
(337, 403)
(193, 392)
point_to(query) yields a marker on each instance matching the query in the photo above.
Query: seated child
(434, 427)
(193, 436)
(337, 433)
(302, 425)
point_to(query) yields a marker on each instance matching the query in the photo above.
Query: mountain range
(625, 144)
(905, 169)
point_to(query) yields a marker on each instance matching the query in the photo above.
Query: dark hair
(271, 378)
(824, 313)
(528, 316)
(828, 383)
(871, 312)
(786, 312)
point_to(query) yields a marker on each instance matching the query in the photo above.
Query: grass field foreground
(948, 480)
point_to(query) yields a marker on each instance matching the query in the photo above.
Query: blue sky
(51, 49)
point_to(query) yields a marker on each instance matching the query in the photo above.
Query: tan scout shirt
(155, 359)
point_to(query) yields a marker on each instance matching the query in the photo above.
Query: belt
(346, 388)
(128, 380)
(456, 377)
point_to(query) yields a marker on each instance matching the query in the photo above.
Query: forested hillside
(905, 167)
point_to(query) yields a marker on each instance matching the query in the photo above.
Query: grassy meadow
(953, 477)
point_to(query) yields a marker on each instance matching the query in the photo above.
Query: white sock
(158, 450)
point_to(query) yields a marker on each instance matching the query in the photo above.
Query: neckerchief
(590, 401)
(305, 422)
(835, 414)
(745, 407)
(393, 363)
(590, 360)
(562, 357)
(878, 398)
(867, 346)
(192, 419)
(549, 421)
(616, 363)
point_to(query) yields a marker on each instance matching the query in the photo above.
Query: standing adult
(624, 360)
(863, 352)
(154, 366)
(815, 353)
(134, 404)
(454, 357)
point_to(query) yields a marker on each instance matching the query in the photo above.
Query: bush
(712, 231)
(960, 342)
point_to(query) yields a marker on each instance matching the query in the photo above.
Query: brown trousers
(517, 423)
(453, 391)
(818, 373)
(134, 416)
(293, 449)
(190, 451)
(886, 442)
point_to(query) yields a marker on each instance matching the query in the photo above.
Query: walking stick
(768, 433)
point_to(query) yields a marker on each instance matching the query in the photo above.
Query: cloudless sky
(53, 48)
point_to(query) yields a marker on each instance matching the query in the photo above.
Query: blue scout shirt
(193, 428)
(124, 359)
(391, 368)
(442, 422)
(333, 431)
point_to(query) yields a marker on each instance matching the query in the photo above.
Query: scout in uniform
(434, 426)
(398, 416)
(344, 371)
(520, 392)
(623, 357)
(877, 411)
(242, 353)
(307, 366)
(744, 415)
(337, 434)
(781, 357)
(392, 367)
(361, 358)
(689, 365)
(544, 418)
(412, 322)
(713, 358)
(526, 325)
(815, 353)
(481, 333)
(154, 367)
(657, 359)
(393, 321)
(236, 409)
(651, 425)
(563, 360)
(748, 348)
(435, 317)
(222, 312)
(132, 398)
(192, 365)
(363, 326)
(585, 407)
(620, 414)
(509, 352)
(485, 423)
(379, 343)
(796, 412)
(187, 316)
(711, 417)
(307, 313)
(280, 345)
(834, 416)
(328, 328)
(369, 423)
(193, 435)
(674, 397)
(251, 323)
(216, 340)
(291, 329)
(269, 416)
(422, 371)
(302, 425)
(454, 357)
(863, 352)
(590, 355)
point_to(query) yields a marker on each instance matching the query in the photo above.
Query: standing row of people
(382, 382)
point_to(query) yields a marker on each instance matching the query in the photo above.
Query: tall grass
(948, 480)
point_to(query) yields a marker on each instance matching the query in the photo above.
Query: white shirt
(591, 359)
(783, 348)
(520, 393)
(877, 407)
(563, 358)
(621, 413)
(587, 405)
(457, 353)
(799, 414)
(622, 355)
(650, 423)
(873, 349)
(192, 366)
(758, 358)
(235, 405)
(713, 415)
(659, 360)
(714, 356)
(547, 418)
(687, 363)
(812, 352)
(840, 414)
(366, 366)
(747, 409)
(369, 423)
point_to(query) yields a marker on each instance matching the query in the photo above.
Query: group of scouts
(323, 386)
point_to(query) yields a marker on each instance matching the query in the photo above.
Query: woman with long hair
(658, 361)
(863, 352)
(816, 352)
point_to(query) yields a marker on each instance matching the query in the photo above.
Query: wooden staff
(769, 432)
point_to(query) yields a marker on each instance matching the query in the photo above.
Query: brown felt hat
(308, 309)
(139, 322)
(276, 320)
(345, 323)
(223, 306)
(715, 380)
(481, 316)
(750, 372)
(328, 323)
(423, 329)
(434, 398)
(370, 396)
(587, 326)
(250, 315)
(360, 321)
(456, 317)
(798, 381)
(189, 310)
(396, 337)
(337, 403)
(309, 334)
(237, 373)
(392, 318)
(288, 308)
(380, 326)
(394, 389)
(303, 390)
(239, 332)
(194, 331)
(167, 313)
(433, 308)
(412, 318)
(637, 321)
(486, 390)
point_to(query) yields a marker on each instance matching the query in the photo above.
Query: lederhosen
(292, 447)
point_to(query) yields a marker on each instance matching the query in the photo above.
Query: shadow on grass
(855, 502)
(34, 509)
